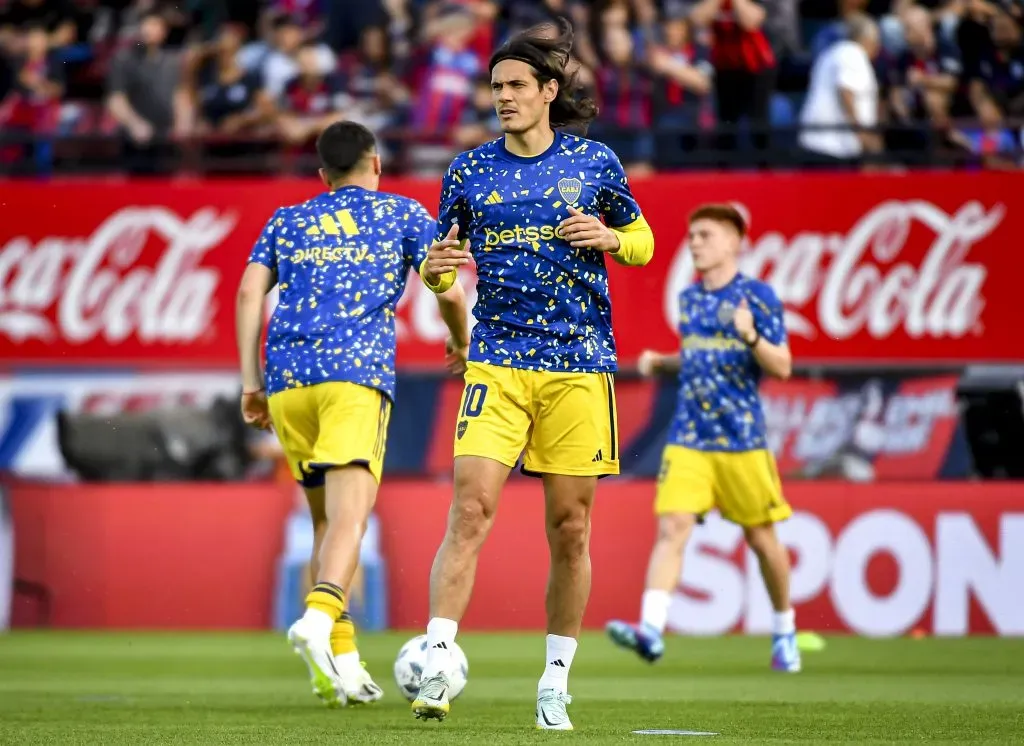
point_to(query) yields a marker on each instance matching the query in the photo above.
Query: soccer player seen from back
(341, 262)
(538, 210)
(717, 456)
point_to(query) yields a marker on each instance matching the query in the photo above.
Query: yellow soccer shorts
(561, 423)
(328, 425)
(743, 485)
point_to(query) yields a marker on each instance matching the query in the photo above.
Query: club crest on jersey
(460, 430)
(725, 312)
(570, 189)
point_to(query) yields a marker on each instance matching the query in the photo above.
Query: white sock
(784, 622)
(560, 652)
(319, 623)
(654, 609)
(440, 636)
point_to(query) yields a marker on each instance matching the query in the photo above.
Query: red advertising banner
(880, 559)
(861, 428)
(872, 268)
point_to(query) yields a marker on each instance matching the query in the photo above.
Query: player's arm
(451, 301)
(775, 359)
(625, 233)
(455, 315)
(760, 324)
(446, 254)
(636, 243)
(653, 363)
(258, 279)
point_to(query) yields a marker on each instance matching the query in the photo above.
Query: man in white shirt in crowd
(842, 103)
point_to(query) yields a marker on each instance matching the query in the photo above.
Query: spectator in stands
(994, 74)
(32, 107)
(309, 14)
(176, 20)
(842, 104)
(685, 76)
(277, 63)
(925, 75)
(346, 19)
(624, 97)
(484, 12)
(147, 98)
(400, 26)
(782, 28)
(745, 65)
(845, 11)
(377, 96)
(56, 16)
(311, 100)
(230, 99)
(480, 122)
(445, 87)
(996, 83)
(521, 14)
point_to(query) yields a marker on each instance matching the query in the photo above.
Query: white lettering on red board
(79, 289)
(861, 280)
(943, 575)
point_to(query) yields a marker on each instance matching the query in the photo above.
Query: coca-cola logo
(844, 284)
(139, 274)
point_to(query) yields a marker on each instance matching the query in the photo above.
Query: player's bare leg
(567, 501)
(359, 686)
(349, 494)
(664, 569)
(478, 484)
(773, 558)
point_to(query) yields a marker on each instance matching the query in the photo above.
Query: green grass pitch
(129, 688)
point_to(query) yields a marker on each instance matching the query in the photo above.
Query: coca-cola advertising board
(882, 268)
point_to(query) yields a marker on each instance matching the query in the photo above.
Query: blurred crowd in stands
(146, 85)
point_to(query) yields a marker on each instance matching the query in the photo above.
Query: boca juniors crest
(570, 189)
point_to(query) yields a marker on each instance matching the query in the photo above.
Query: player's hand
(446, 255)
(587, 232)
(255, 411)
(743, 320)
(455, 358)
(648, 363)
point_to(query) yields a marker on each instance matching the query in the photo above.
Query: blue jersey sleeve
(419, 233)
(616, 201)
(454, 208)
(265, 250)
(769, 315)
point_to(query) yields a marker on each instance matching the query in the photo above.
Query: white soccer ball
(411, 661)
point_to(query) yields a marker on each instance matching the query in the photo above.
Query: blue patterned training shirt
(342, 261)
(541, 304)
(719, 408)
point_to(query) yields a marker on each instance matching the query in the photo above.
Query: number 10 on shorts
(473, 400)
